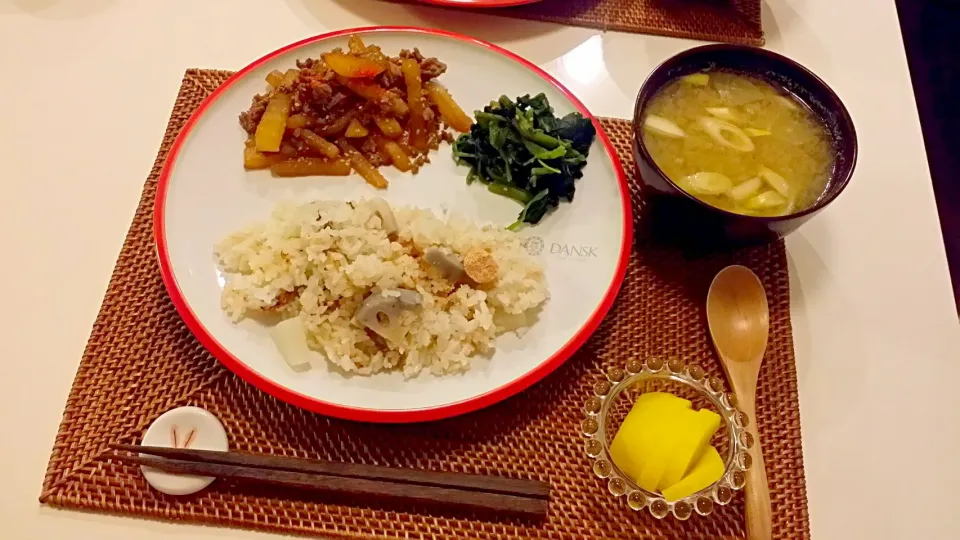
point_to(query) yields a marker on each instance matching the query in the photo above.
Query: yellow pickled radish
(707, 470)
(690, 440)
(660, 433)
(634, 439)
(680, 438)
(649, 397)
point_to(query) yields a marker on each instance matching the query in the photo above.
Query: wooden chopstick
(502, 495)
(475, 482)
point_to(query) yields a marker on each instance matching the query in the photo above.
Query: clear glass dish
(613, 398)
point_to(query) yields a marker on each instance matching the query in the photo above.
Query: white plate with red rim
(204, 194)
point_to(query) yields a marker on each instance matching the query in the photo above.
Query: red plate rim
(448, 410)
(479, 3)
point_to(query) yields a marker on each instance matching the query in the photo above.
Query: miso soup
(738, 143)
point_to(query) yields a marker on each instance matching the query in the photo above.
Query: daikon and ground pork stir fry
(738, 143)
(353, 110)
(376, 288)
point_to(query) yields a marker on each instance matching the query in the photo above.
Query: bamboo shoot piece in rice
(291, 340)
(774, 151)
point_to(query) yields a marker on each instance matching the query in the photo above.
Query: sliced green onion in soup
(787, 102)
(790, 206)
(662, 126)
(706, 183)
(746, 189)
(726, 134)
(776, 181)
(765, 201)
(696, 79)
(724, 113)
(754, 132)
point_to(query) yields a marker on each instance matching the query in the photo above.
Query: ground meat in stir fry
(250, 118)
(326, 105)
(430, 68)
(392, 76)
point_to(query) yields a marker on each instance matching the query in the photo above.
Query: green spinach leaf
(523, 151)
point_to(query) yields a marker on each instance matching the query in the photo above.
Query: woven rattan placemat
(141, 360)
(732, 21)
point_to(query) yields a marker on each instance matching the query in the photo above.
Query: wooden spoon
(739, 321)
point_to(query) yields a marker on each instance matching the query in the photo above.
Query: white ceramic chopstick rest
(189, 428)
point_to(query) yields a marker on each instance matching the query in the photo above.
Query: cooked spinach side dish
(521, 150)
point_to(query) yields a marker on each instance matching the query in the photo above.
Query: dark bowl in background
(677, 215)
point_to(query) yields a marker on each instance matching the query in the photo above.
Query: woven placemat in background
(141, 360)
(731, 21)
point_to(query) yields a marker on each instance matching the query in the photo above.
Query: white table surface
(876, 333)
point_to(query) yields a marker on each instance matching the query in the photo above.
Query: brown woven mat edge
(168, 516)
(741, 16)
(757, 38)
(51, 481)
